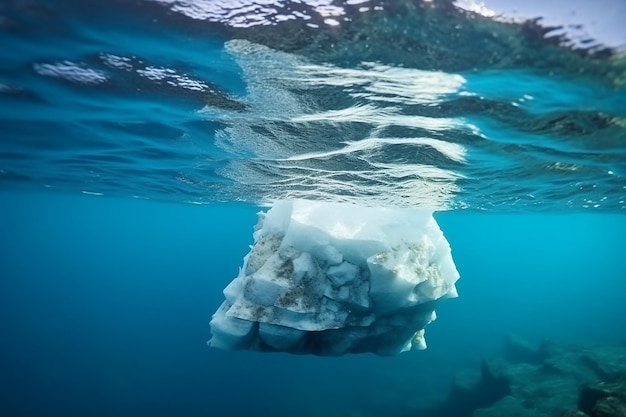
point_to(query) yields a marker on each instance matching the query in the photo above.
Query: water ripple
(406, 103)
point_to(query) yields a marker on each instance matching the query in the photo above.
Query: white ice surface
(331, 278)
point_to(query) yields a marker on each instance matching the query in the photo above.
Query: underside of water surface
(406, 103)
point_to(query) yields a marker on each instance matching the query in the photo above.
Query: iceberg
(335, 278)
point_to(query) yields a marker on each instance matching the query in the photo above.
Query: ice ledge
(332, 278)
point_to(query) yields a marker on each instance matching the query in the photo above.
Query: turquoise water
(138, 141)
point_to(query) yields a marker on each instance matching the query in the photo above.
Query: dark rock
(494, 376)
(509, 406)
(609, 407)
(571, 413)
(472, 390)
(539, 390)
(593, 398)
(608, 362)
(552, 380)
(518, 350)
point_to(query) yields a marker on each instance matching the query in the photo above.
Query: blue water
(104, 307)
(138, 141)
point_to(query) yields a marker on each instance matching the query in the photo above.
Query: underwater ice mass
(335, 278)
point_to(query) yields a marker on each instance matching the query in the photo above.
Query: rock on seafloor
(332, 278)
(551, 380)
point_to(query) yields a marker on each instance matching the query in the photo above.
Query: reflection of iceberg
(329, 279)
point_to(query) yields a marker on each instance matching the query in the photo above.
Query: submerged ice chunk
(342, 274)
(331, 278)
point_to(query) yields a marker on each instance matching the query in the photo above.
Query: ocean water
(138, 140)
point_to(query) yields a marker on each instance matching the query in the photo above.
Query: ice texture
(334, 278)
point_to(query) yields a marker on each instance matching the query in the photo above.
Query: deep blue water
(114, 119)
(105, 305)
